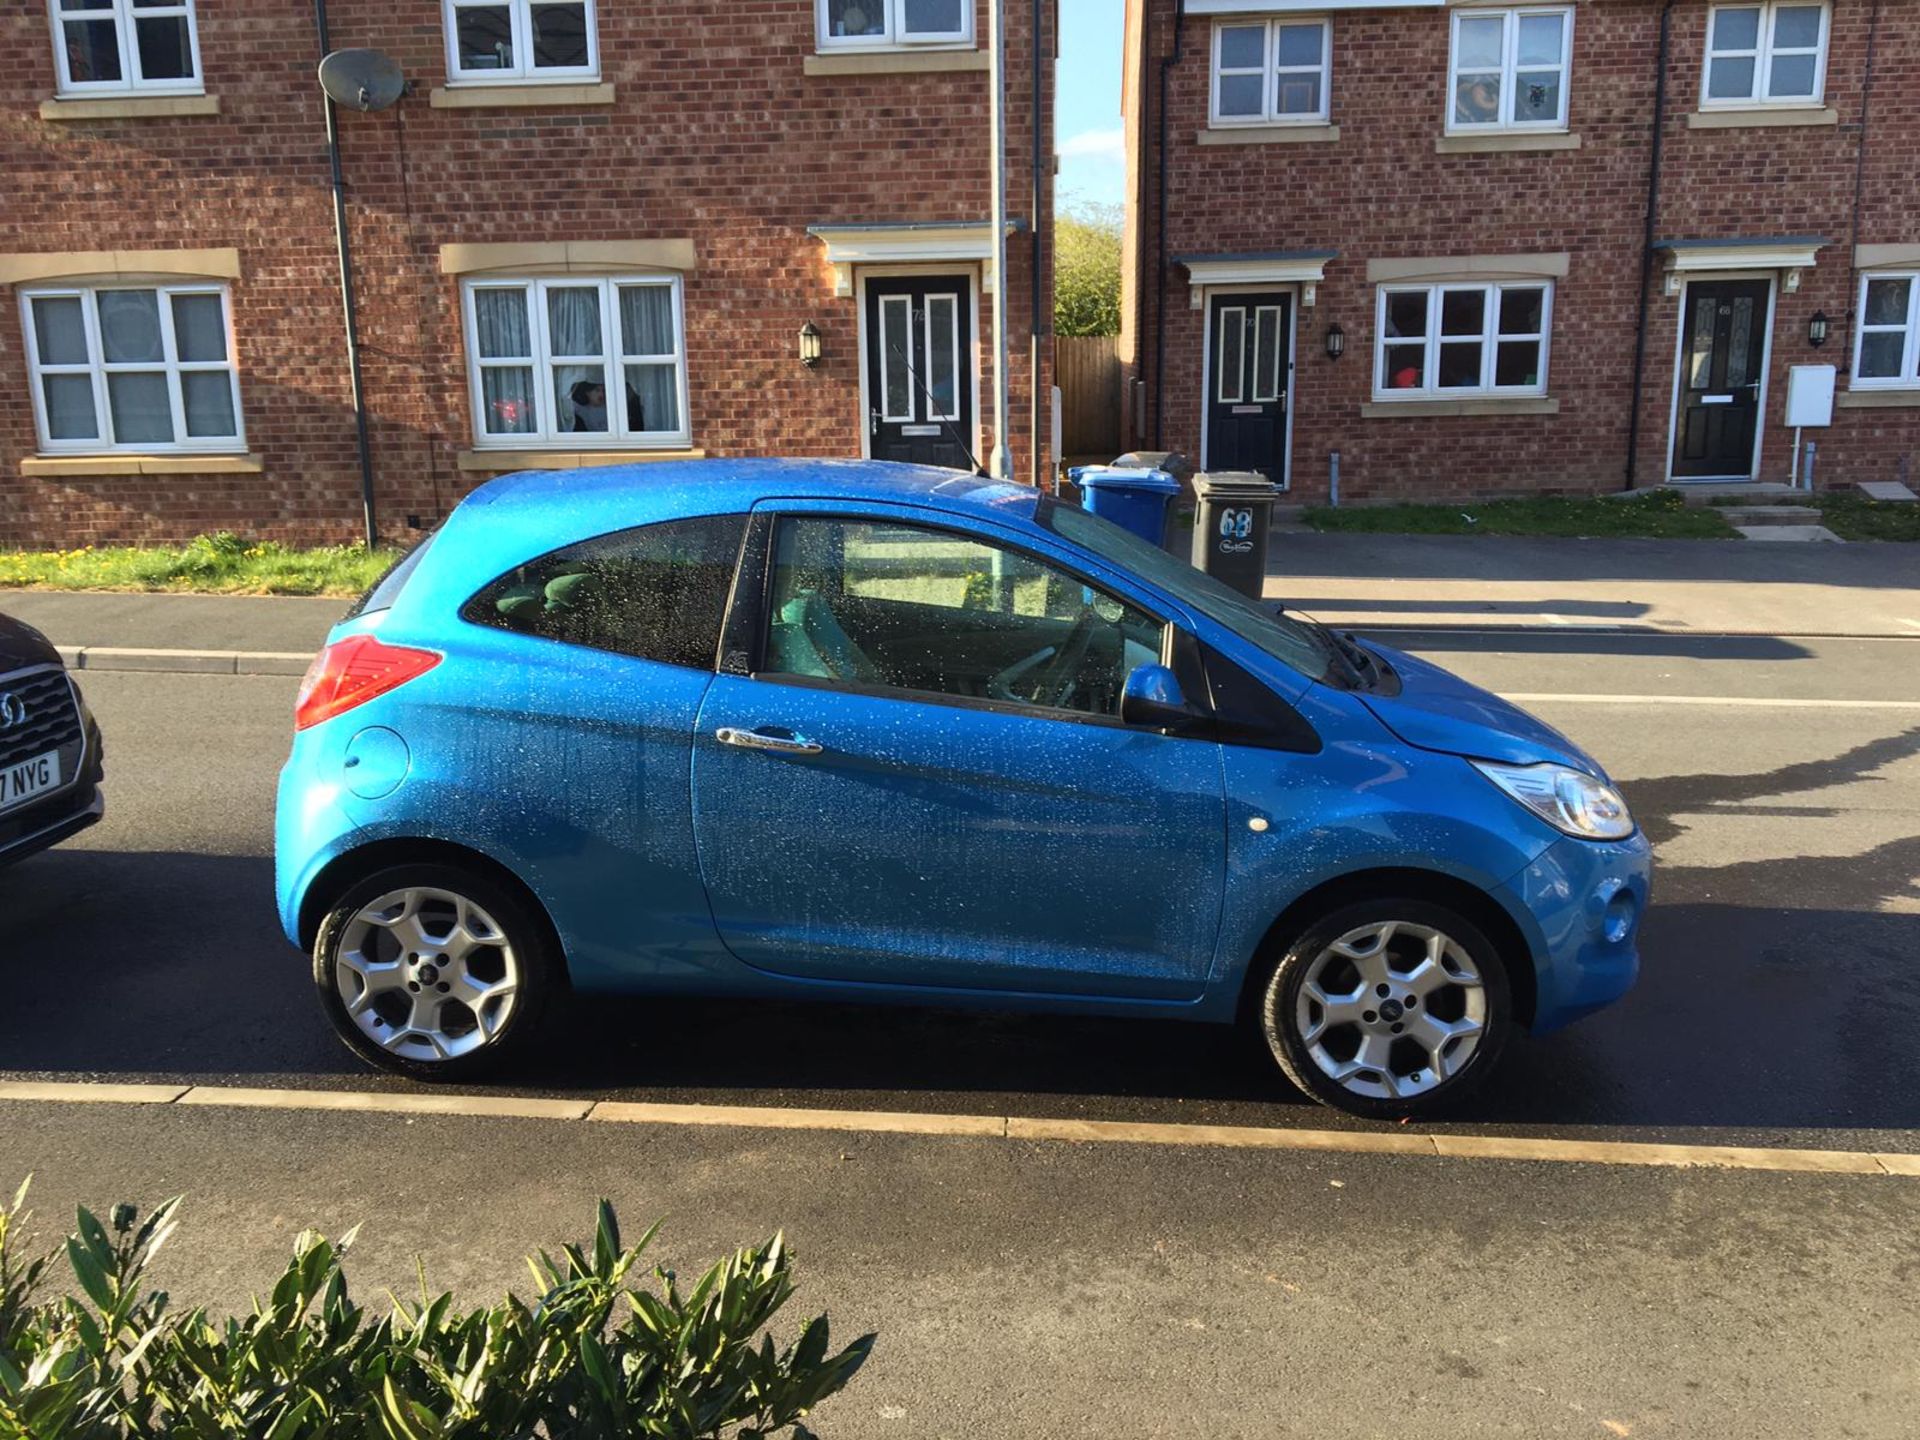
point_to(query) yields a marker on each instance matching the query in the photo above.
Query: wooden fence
(1087, 370)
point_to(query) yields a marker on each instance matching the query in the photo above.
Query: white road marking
(1524, 697)
(1395, 1141)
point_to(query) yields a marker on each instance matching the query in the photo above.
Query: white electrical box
(1809, 395)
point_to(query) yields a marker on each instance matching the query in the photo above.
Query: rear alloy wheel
(1388, 1008)
(431, 971)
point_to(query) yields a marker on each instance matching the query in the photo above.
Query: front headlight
(1570, 800)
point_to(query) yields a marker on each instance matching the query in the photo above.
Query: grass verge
(222, 564)
(1855, 517)
(1658, 515)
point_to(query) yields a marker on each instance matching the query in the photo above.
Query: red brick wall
(716, 134)
(1381, 191)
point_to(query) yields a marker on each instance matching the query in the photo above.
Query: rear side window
(387, 588)
(656, 593)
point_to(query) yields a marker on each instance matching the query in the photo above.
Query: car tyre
(435, 971)
(1388, 1008)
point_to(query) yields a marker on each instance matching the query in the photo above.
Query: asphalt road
(1042, 1289)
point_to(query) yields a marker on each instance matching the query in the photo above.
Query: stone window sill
(1503, 143)
(1430, 409)
(897, 62)
(128, 107)
(1878, 400)
(1270, 135)
(500, 462)
(502, 97)
(141, 465)
(1760, 117)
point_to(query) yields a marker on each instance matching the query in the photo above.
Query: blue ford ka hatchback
(864, 731)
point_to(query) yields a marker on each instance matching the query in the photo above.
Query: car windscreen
(384, 591)
(1294, 644)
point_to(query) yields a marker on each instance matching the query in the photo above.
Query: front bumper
(1586, 900)
(74, 807)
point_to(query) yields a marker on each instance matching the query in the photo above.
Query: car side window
(904, 607)
(657, 593)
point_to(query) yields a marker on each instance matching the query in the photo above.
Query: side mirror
(1152, 698)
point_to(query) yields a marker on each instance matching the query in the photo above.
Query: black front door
(1722, 358)
(1248, 374)
(920, 370)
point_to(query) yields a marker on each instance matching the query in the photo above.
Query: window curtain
(573, 328)
(501, 332)
(646, 328)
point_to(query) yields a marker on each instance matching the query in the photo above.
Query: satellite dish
(363, 79)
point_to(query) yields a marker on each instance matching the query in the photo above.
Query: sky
(1087, 107)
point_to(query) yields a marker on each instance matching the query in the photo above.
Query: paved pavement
(1684, 586)
(1046, 1288)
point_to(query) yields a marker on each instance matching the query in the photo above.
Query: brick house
(593, 231)
(1556, 247)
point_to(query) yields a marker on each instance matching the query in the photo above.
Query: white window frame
(97, 367)
(896, 36)
(1488, 339)
(524, 71)
(1763, 58)
(546, 433)
(1909, 376)
(1271, 71)
(131, 81)
(1509, 69)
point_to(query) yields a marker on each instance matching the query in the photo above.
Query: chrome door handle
(760, 740)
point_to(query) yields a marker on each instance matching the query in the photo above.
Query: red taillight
(353, 672)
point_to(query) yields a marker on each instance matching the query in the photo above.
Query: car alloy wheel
(432, 970)
(425, 973)
(1387, 1008)
(1391, 1010)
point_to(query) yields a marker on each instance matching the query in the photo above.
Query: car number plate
(20, 783)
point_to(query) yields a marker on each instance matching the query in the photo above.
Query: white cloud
(1106, 145)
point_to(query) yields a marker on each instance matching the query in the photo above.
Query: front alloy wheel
(1387, 1008)
(430, 971)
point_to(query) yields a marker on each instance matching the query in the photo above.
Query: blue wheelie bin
(1136, 500)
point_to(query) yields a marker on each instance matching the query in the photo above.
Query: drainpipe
(1034, 317)
(999, 462)
(1859, 181)
(1160, 234)
(1646, 240)
(345, 253)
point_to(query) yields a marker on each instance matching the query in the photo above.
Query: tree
(1086, 271)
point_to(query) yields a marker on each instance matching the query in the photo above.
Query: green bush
(598, 1355)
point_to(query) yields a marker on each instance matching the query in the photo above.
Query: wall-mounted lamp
(1336, 342)
(1817, 329)
(809, 345)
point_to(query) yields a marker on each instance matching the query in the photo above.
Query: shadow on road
(1754, 1011)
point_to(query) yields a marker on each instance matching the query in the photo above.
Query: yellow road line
(1029, 1129)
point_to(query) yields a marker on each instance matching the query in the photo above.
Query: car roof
(553, 507)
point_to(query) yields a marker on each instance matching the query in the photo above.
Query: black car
(50, 753)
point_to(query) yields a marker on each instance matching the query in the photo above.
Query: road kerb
(186, 662)
(1628, 1152)
(991, 1127)
(1229, 1137)
(388, 1102)
(90, 1092)
(777, 1117)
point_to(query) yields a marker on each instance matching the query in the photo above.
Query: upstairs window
(1452, 341)
(893, 24)
(107, 46)
(1771, 54)
(1509, 70)
(144, 370)
(1886, 353)
(521, 40)
(577, 363)
(1270, 73)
